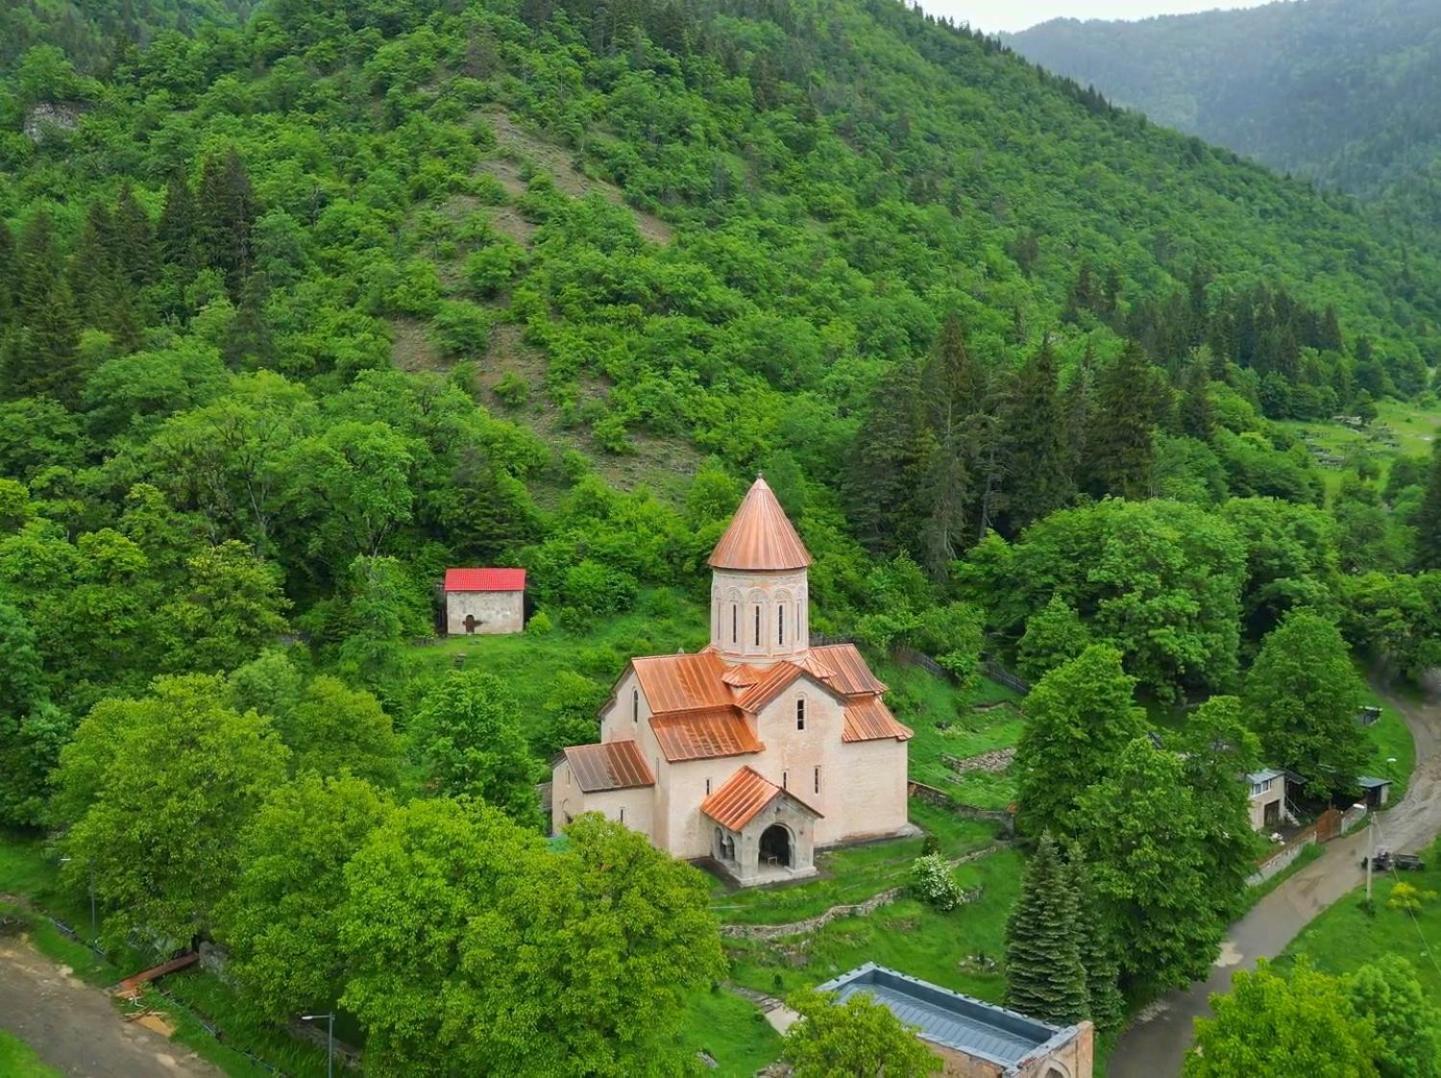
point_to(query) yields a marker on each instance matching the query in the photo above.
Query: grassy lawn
(1391, 740)
(851, 875)
(732, 1032)
(1402, 428)
(952, 723)
(1346, 936)
(907, 935)
(27, 871)
(18, 1061)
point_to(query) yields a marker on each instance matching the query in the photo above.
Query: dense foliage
(1339, 90)
(297, 311)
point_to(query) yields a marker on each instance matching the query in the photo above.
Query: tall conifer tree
(42, 354)
(176, 232)
(1040, 474)
(1120, 442)
(1105, 1005)
(1428, 517)
(1044, 975)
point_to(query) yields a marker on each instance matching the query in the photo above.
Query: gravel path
(76, 1028)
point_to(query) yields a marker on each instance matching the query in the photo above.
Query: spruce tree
(135, 238)
(42, 354)
(1039, 465)
(1044, 975)
(1105, 1005)
(176, 232)
(1428, 517)
(950, 390)
(8, 269)
(890, 451)
(1120, 443)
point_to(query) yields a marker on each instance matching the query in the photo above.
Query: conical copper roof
(760, 537)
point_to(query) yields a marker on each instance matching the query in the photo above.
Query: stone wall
(493, 611)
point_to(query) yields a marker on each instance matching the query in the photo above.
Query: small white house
(1268, 798)
(484, 601)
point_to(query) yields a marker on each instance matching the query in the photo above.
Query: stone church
(759, 749)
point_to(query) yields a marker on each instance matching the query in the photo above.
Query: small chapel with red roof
(759, 749)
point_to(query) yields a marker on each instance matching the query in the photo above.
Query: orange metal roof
(870, 720)
(704, 735)
(612, 765)
(741, 798)
(760, 536)
(774, 681)
(852, 676)
(740, 677)
(683, 682)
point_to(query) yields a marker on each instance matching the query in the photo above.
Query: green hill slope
(1342, 91)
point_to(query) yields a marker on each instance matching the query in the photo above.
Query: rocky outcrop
(49, 116)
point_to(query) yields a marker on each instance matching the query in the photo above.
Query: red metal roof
(683, 682)
(850, 674)
(704, 735)
(612, 765)
(485, 580)
(741, 798)
(869, 719)
(760, 536)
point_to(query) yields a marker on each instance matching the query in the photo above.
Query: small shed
(973, 1039)
(1376, 792)
(484, 601)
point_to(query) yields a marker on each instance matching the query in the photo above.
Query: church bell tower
(760, 609)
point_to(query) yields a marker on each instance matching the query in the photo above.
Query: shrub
(512, 390)
(540, 624)
(461, 329)
(932, 882)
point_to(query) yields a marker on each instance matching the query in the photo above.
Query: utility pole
(1371, 856)
(329, 1039)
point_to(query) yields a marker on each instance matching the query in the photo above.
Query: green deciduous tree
(1302, 695)
(281, 919)
(468, 735)
(333, 728)
(859, 1038)
(153, 792)
(1044, 975)
(1054, 635)
(1078, 719)
(1407, 1024)
(1291, 1025)
(231, 606)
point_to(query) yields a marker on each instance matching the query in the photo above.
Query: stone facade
(488, 611)
(827, 762)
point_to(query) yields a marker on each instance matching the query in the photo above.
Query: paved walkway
(76, 1028)
(1155, 1045)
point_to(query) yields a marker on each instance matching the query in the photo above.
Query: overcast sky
(997, 15)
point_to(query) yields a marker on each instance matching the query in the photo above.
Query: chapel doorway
(776, 846)
(471, 623)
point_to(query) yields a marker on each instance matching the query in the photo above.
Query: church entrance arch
(776, 846)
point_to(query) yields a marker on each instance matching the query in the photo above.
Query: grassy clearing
(958, 724)
(731, 1031)
(664, 620)
(1347, 936)
(29, 873)
(1391, 740)
(18, 1060)
(953, 949)
(1401, 428)
(851, 875)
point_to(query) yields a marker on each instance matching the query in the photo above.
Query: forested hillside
(94, 32)
(1341, 91)
(297, 311)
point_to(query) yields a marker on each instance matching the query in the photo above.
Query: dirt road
(76, 1029)
(1156, 1043)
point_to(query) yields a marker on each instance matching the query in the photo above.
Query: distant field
(1400, 429)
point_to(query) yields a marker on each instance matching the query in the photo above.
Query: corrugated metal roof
(851, 675)
(760, 537)
(683, 682)
(869, 719)
(611, 765)
(741, 798)
(952, 1020)
(704, 735)
(484, 580)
